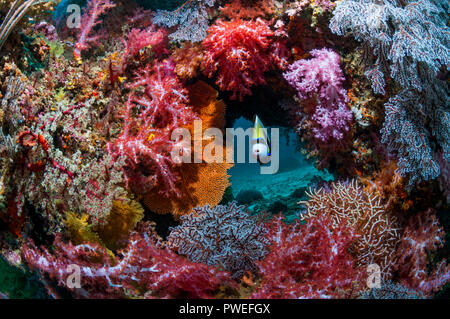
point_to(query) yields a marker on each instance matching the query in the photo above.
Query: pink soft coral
(90, 19)
(240, 52)
(142, 268)
(309, 261)
(422, 235)
(149, 120)
(320, 79)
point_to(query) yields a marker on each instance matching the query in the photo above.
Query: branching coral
(366, 215)
(224, 236)
(89, 20)
(149, 120)
(422, 235)
(309, 261)
(142, 270)
(239, 53)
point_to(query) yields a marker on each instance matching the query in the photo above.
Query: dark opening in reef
(163, 221)
(280, 192)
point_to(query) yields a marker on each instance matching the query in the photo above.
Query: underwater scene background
(94, 202)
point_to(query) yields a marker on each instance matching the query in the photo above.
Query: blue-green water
(280, 191)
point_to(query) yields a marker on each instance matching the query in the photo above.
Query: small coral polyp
(90, 178)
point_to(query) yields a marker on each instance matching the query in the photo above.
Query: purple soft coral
(320, 79)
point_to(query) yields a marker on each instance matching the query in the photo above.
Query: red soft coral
(309, 261)
(139, 39)
(89, 20)
(240, 52)
(143, 269)
(149, 120)
(422, 235)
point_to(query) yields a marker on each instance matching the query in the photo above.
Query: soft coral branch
(89, 20)
(146, 138)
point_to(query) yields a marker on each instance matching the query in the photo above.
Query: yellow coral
(122, 219)
(113, 234)
(79, 229)
(203, 183)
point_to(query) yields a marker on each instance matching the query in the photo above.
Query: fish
(261, 148)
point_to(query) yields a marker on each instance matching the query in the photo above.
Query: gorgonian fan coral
(366, 215)
(223, 236)
(390, 290)
(409, 41)
(200, 184)
(239, 52)
(141, 269)
(149, 120)
(321, 80)
(309, 261)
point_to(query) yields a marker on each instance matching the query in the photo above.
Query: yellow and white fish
(261, 141)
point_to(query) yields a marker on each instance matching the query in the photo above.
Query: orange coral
(203, 183)
(248, 9)
(387, 184)
(378, 229)
(188, 60)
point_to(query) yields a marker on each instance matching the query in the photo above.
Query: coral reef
(422, 235)
(142, 268)
(89, 20)
(191, 20)
(409, 41)
(118, 178)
